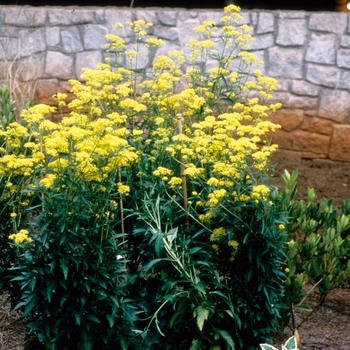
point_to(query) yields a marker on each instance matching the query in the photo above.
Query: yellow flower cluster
(211, 127)
(21, 237)
(220, 241)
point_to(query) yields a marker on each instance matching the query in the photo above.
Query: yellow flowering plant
(153, 195)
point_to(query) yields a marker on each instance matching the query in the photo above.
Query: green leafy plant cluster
(318, 247)
(146, 219)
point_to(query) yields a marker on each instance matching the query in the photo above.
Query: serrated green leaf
(201, 314)
(227, 337)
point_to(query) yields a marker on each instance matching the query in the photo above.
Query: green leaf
(227, 337)
(110, 320)
(77, 316)
(93, 318)
(64, 269)
(201, 314)
(291, 344)
(151, 264)
(303, 308)
(196, 345)
(200, 287)
(267, 347)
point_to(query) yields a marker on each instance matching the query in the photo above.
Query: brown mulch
(327, 327)
(12, 329)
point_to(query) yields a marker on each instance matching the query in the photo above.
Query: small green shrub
(318, 248)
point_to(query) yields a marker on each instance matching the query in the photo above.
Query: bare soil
(328, 326)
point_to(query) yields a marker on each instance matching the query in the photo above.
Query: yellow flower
(161, 171)
(123, 190)
(20, 237)
(175, 182)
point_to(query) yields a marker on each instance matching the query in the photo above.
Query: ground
(328, 327)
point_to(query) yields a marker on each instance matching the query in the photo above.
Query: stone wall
(309, 54)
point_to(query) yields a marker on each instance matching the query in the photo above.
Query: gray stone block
(285, 62)
(344, 80)
(292, 14)
(265, 23)
(24, 16)
(187, 15)
(59, 16)
(87, 59)
(291, 101)
(94, 37)
(328, 22)
(343, 58)
(301, 87)
(81, 16)
(334, 105)
(263, 41)
(32, 41)
(53, 37)
(186, 32)
(146, 15)
(9, 48)
(212, 16)
(59, 62)
(100, 16)
(254, 17)
(322, 48)
(322, 75)
(345, 41)
(71, 40)
(118, 16)
(291, 32)
(166, 33)
(284, 84)
(31, 67)
(7, 31)
(168, 18)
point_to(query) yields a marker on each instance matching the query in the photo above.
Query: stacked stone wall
(308, 53)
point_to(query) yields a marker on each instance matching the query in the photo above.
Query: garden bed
(328, 327)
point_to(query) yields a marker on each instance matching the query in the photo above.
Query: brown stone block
(289, 119)
(340, 143)
(44, 90)
(311, 142)
(283, 139)
(318, 126)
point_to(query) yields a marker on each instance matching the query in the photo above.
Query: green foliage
(151, 222)
(7, 108)
(74, 284)
(291, 344)
(318, 247)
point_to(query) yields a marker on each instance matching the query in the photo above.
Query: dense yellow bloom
(175, 182)
(21, 237)
(260, 192)
(162, 171)
(48, 181)
(123, 190)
